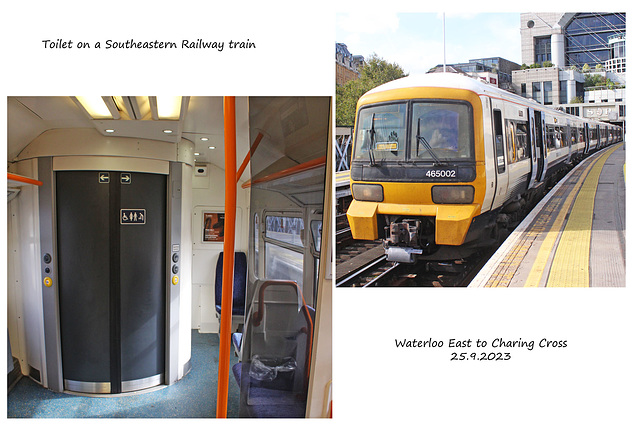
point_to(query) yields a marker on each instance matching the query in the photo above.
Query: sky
(414, 41)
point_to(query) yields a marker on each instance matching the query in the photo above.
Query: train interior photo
(169, 257)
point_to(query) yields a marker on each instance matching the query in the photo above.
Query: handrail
(257, 316)
(23, 179)
(290, 171)
(254, 146)
(228, 251)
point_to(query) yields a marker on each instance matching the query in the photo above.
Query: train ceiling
(294, 129)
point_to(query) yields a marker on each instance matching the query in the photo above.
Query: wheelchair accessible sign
(133, 216)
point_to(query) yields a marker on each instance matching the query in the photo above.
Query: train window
(282, 263)
(562, 135)
(517, 145)
(380, 133)
(285, 229)
(523, 146)
(511, 142)
(552, 138)
(256, 244)
(316, 233)
(441, 130)
(497, 125)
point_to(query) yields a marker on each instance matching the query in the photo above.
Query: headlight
(367, 192)
(452, 194)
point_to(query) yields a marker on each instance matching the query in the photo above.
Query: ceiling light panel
(169, 107)
(95, 106)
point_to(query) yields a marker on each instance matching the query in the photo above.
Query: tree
(374, 72)
(586, 68)
(592, 80)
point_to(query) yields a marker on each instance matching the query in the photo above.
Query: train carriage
(442, 164)
(123, 260)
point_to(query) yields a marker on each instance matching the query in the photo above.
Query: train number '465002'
(442, 173)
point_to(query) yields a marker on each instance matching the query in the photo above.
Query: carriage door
(587, 140)
(111, 251)
(538, 158)
(502, 177)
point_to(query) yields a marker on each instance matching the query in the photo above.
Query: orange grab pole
(320, 161)
(228, 250)
(248, 156)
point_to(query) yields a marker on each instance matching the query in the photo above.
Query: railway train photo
(173, 259)
(444, 165)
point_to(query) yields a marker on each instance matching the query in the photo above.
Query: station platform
(575, 237)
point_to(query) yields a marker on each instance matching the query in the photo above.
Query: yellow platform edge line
(570, 266)
(535, 275)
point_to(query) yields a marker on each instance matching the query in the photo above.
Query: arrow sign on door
(103, 177)
(125, 178)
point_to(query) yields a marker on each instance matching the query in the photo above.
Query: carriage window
(282, 263)
(380, 133)
(553, 140)
(562, 135)
(441, 130)
(285, 229)
(316, 233)
(512, 156)
(517, 141)
(497, 127)
(256, 245)
(522, 141)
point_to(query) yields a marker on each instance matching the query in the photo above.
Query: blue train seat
(239, 288)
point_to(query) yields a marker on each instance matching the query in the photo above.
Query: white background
(594, 381)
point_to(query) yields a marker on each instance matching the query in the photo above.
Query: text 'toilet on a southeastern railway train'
(442, 164)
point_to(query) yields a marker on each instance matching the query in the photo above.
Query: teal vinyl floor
(194, 396)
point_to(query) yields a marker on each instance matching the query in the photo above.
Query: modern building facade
(565, 53)
(572, 39)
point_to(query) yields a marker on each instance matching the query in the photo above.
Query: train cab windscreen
(438, 131)
(441, 130)
(381, 133)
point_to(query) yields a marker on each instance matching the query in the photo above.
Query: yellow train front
(418, 168)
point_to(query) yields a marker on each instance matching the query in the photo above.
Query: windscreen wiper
(422, 140)
(372, 133)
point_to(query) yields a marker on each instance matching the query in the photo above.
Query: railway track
(362, 264)
(368, 274)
